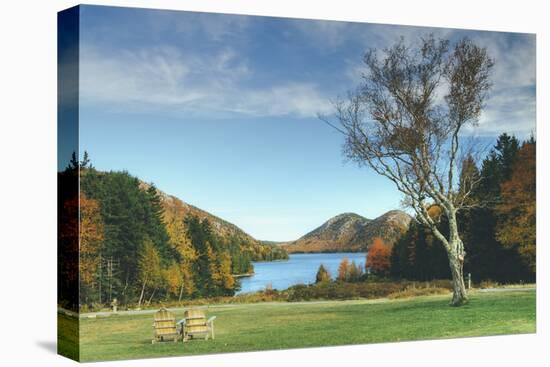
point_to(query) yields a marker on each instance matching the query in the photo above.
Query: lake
(298, 269)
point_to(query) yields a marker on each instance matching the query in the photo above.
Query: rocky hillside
(352, 232)
(175, 211)
(178, 208)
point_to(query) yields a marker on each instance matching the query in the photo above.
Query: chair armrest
(210, 320)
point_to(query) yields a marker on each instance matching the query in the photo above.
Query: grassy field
(248, 327)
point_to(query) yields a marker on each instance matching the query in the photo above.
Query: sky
(221, 110)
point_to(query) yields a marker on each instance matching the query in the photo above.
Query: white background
(28, 181)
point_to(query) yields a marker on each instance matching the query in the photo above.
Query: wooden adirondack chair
(194, 324)
(164, 326)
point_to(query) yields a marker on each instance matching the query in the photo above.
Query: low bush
(369, 289)
(328, 290)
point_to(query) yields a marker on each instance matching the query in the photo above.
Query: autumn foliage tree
(343, 270)
(91, 239)
(172, 279)
(227, 279)
(378, 258)
(150, 271)
(517, 208)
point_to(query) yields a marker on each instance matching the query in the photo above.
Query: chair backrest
(195, 321)
(165, 322)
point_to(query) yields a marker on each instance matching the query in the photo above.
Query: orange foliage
(378, 258)
(343, 270)
(91, 238)
(517, 210)
(435, 212)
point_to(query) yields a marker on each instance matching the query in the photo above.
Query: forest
(499, 231)
(138, 249)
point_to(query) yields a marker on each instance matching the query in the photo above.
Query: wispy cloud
(215, 64)
(166, 77)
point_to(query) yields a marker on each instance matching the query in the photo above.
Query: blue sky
(220, 110)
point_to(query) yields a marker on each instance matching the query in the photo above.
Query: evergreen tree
(73, 163)
(85, 163)
(418, 255)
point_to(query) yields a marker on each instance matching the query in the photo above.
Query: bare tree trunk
(460, 295)
(181, 292)
(141, 296)
(151, 298)
(125, 285)
(456, 255)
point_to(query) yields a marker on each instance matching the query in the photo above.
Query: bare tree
(405, 121)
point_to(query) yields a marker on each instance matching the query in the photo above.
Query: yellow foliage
(175, 227)
(172, 278)
(188, 284)
(225, 271)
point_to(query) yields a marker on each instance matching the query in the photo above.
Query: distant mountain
(352, 232)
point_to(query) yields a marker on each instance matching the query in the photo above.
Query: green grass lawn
(263, 326)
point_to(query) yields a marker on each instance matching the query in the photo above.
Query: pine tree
(85, 163)
(73, 163)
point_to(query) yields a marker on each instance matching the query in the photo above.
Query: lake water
(298, 269)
